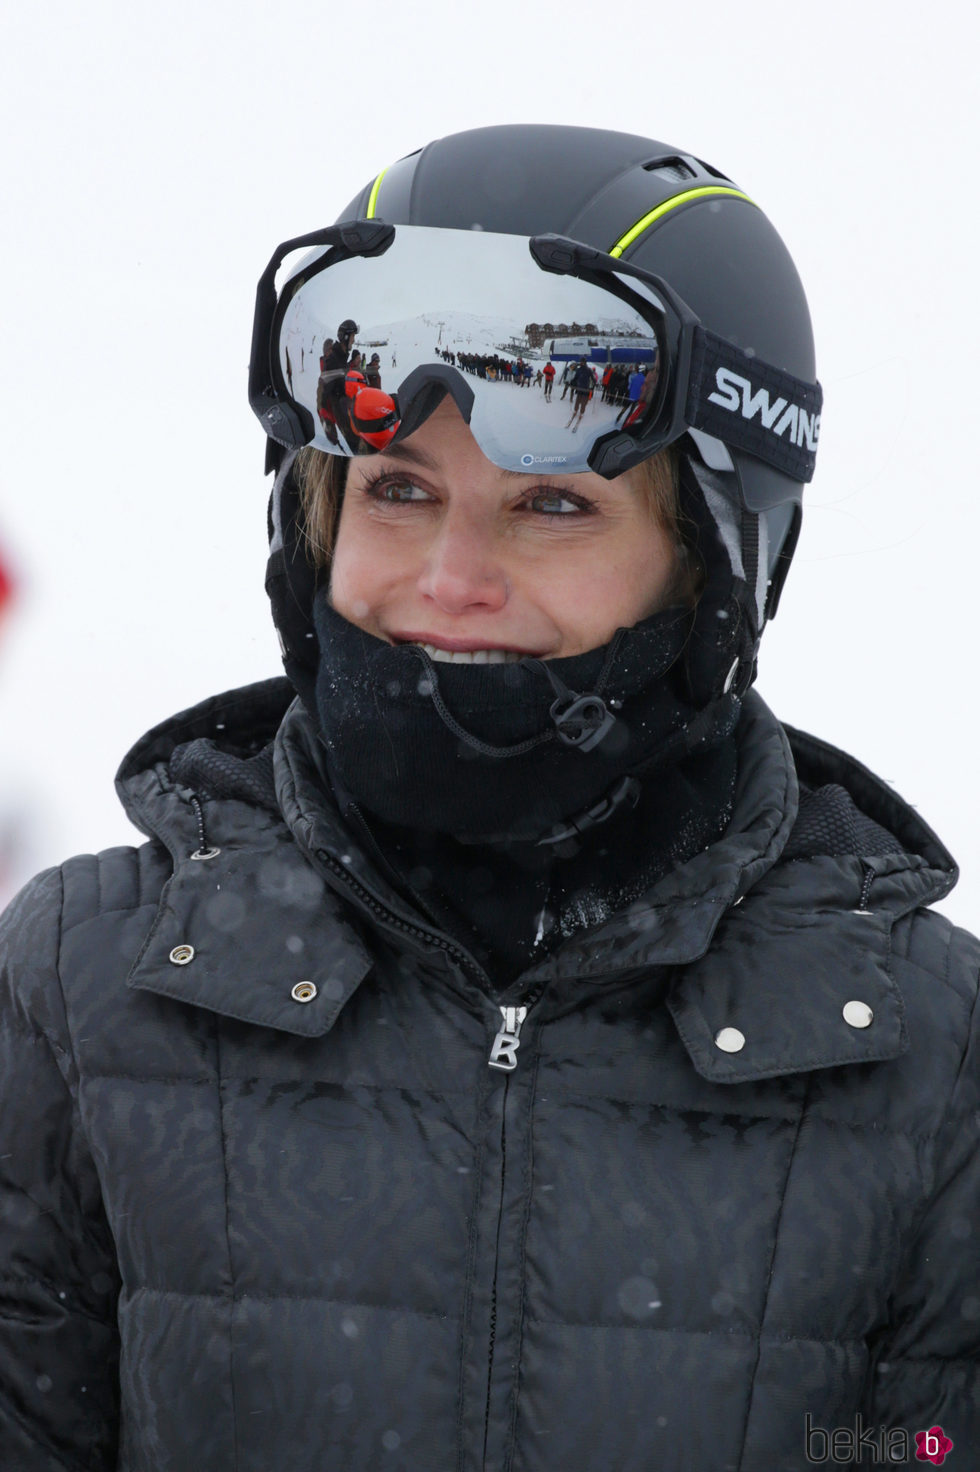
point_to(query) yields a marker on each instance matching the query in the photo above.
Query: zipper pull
(503, 1054)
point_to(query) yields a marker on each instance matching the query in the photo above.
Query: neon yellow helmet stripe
(373, 198)
(671, 204)
(636, 230)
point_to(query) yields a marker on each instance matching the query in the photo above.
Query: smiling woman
(436, 545)
(321, 480)
(513, 1050)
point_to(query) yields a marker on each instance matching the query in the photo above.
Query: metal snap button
(180, 955)
(730, 1040)
(303, 991)
(206, 853)
(857, 1014)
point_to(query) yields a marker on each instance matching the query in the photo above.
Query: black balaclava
(482, 753)
(504, 836)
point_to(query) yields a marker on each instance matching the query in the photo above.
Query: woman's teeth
(471, 656)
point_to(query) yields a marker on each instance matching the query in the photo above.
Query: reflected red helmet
(374, 416)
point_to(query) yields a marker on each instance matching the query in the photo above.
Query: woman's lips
(464, 651)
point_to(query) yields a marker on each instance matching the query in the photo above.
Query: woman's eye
(398, 492)
(553, 503)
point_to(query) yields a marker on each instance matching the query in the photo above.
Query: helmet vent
(715, 173)
(674, 169)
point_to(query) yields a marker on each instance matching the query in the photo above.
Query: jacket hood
(771, 884)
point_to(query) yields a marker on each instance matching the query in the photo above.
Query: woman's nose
(463, 573)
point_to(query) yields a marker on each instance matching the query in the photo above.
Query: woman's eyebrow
(414, 455)
(410, 453)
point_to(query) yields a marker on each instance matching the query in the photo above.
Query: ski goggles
(559, 357)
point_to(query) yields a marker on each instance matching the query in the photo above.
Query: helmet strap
(721, 652)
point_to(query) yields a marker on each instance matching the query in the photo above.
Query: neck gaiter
(477, 751)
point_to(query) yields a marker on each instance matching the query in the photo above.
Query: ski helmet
(661, 210)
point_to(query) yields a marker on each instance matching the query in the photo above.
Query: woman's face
(436, 545)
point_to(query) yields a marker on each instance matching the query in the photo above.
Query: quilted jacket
(265, 1206)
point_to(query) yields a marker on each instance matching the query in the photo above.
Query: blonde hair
(321, 479)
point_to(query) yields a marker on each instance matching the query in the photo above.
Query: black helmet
(348, 328)
(666, 212)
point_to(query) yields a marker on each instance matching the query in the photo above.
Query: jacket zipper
(503, 1056)
(496, 1263)
(391, 921)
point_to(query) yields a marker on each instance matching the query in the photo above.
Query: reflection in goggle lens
(472, 315)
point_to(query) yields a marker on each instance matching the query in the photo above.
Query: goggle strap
(752, 406)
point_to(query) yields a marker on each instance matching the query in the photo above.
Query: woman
(518, 1051)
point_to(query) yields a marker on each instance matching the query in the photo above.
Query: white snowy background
(153, 156)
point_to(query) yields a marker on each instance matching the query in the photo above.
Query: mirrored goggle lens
(544, 367)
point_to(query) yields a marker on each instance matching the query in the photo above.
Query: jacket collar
(799, 974)
(764, 949)
(236, 933)
(789, 965)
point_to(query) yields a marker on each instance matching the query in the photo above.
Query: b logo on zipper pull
(503, 1054)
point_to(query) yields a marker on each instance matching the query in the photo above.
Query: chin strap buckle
(626, 793)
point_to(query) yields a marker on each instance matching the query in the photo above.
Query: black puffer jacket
(242, 1231)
